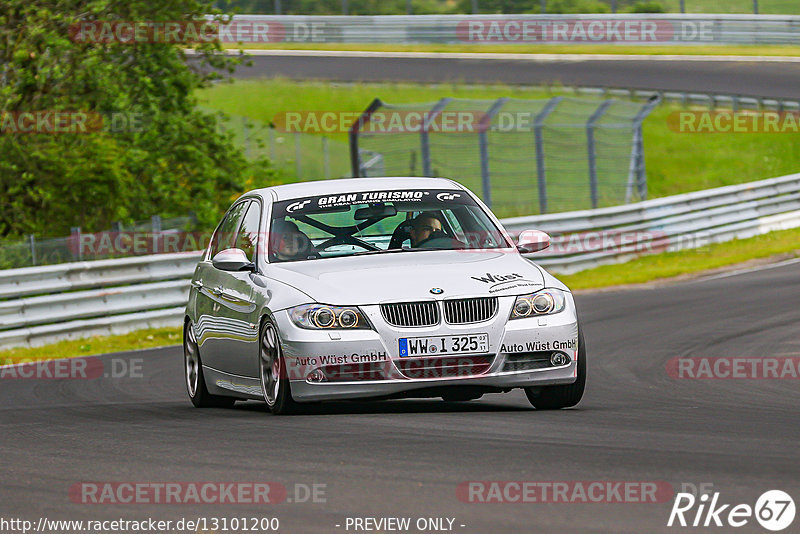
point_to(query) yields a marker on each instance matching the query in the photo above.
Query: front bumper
(366, 363)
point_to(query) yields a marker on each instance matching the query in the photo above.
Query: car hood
(406, 276)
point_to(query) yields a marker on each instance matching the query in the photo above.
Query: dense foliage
(162, 156)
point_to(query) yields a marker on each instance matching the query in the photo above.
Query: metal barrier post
(538, 133)
(76, 237)
(298, 156)
(637, 172)
(355, 159)
(425, 147)
(483, 141)
(590, 126)
(32, 241)
(155, 226)
(326, 158)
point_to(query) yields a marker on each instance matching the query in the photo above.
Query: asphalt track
(762, 77)
(406, 457)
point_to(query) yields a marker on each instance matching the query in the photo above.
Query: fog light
(557, 359)
(316, 376)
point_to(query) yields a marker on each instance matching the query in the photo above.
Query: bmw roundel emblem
(437, 290)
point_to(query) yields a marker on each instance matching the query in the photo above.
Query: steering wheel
(345, 240)
(400, 234)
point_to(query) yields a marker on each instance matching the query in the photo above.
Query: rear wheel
(195, 382)
(274, 378)
(555, 397)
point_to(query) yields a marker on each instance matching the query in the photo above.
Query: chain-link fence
(437, 7)
(121, 240)
(522, 157)
(299, 155)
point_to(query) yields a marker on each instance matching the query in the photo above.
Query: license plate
(444, 345)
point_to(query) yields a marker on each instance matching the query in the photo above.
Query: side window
(225, 235)
(247, 238)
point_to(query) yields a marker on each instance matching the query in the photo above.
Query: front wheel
(274, 378)
(195, 382)
(555, 397)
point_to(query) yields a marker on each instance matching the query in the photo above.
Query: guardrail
(46, 304)
(509, 29)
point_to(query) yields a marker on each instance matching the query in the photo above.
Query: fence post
(755, 7)
(636, 170)
(538, 134)
(475, 7)
(326, 158)
(155, 224)
(683, 6)
(344, 7)
(590, 126)
(32, 241)
(355, 159)
(544, 6)
(75, 231)
(272, 154)
(425, 147)
(483, 141)
(614, 6)
(246, 135)
(298, 156)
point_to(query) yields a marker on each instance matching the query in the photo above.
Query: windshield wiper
(381, 251)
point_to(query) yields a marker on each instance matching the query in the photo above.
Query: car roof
(352, 185)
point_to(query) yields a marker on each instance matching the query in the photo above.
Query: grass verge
(73, 348)
(777, 245)
(657, 50)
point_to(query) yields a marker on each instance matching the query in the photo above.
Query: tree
(163, 156)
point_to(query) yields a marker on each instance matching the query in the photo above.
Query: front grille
(466, 311)
(411, 313)
(449, 367)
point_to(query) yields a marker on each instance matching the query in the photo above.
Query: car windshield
(375, 222)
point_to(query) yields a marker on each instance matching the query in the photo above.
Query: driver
(425, 227)
(289, 243)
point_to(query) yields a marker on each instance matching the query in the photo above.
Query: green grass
(671, 264)
(676, 162)
(141, 339)
(718, 50)
(765, 7)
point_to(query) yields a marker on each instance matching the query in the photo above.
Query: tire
(272, 371)
(193, 370)
(567, 396)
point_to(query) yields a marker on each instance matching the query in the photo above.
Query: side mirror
(232, 259)
(533, 241)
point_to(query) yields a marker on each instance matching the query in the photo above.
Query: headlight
(544, 302)
(321, 317)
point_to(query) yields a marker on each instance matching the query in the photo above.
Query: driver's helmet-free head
(287, 242)
(424, 226)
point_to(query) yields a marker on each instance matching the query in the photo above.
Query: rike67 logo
(774, 510)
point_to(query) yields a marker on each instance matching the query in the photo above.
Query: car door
(238, 312)
(213, 323)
